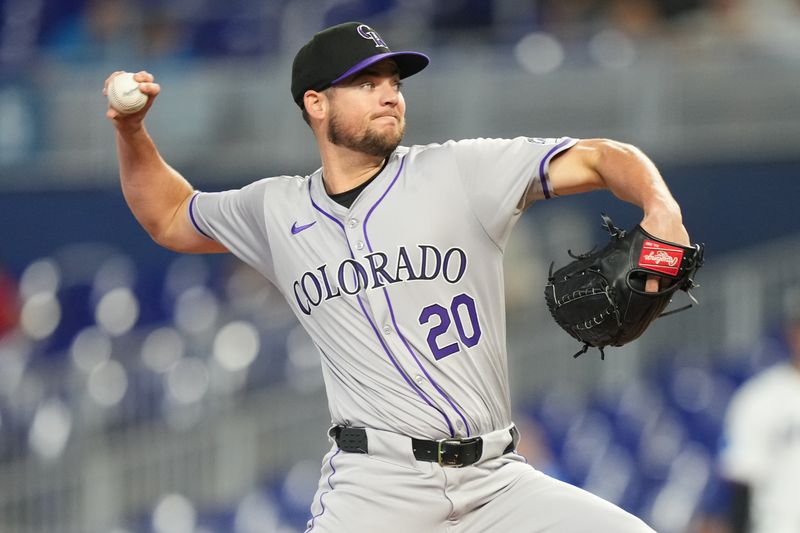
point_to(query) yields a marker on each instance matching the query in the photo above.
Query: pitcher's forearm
(153, 190)
(631, 176)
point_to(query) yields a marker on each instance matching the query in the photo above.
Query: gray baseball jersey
(403, 292)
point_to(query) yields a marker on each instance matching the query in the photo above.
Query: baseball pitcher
(391, 258)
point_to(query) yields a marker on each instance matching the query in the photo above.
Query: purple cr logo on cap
(368, 33)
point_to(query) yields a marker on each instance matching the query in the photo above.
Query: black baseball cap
(340, 51)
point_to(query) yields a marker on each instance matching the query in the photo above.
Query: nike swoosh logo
(128, 93)
(297, 229)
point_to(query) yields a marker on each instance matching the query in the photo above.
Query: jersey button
(352, 222)
(387, 329)
(359, 245)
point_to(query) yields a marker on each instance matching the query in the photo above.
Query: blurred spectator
(463, 14)
(103, 30)
(646, 19)
(769, 27)
(637, 18)
(760, 456)
(162, 37)
(571, 19)
(348, 10)
(79, 31)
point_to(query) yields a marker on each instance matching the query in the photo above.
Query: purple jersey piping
(544, 161)
(408, 380)
(330, 484)
(194, 222)
(391, 308)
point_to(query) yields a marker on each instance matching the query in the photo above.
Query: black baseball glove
(600, 299)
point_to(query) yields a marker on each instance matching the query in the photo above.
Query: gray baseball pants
(388, 490)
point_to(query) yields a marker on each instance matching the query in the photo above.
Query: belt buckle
(457, 459)
(453, 461)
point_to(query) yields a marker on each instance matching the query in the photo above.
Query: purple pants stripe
(330, 484)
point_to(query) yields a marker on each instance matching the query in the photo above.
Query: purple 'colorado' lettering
(313, 300)
(404, 263)
(305, 309)
(328, 293)
(379, 269)
(462, 265)
(360, 279)
(376, 270)
(423, 269)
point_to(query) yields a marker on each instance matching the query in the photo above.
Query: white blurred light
(14, 353)
(185, 272)
(693, 389)
(90, 347)
(612, 49)
(610, 477)
(675, 505)
(162, 348)
(115, 272)
(659, 444)
(670, 509)
(188, 380)
(196, 310)
(40, 315)
(19, 134)
(225, 382)
(108, 383)
(639, 404)
(236, 345)
(50, 429)
(181, 416)
(174, 513)
(28, 396)
(40, 276)
(587, 440)
(539, 53)
(117, 311)
(301, 482)
(255, 513)
(692, 467)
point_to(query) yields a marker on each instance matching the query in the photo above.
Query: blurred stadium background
(145, 391)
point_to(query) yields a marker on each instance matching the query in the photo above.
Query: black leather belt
(446, 452)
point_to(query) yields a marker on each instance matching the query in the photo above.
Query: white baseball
(124, 94)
